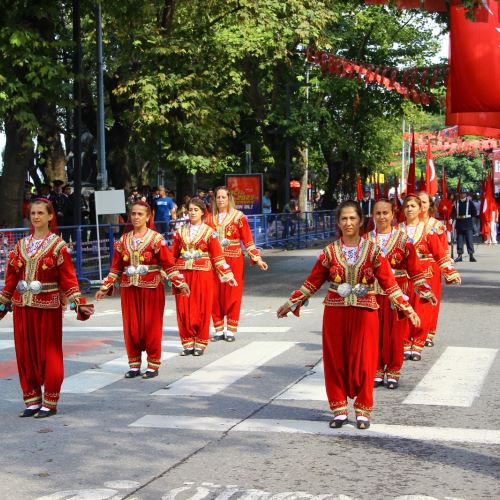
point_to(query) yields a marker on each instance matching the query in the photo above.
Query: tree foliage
(188, 84)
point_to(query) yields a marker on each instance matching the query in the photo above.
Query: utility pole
(102, 175)
(77, 114)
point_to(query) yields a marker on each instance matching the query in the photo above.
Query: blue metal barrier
(281, 230)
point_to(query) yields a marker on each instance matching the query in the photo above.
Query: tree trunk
(17, 159)
(304, 161)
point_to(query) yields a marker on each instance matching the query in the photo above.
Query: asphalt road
(229, 425)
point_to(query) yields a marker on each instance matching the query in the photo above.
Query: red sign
(247, 192)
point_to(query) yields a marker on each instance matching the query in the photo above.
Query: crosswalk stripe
(241, 329)
(310, 388)
(6, 344)
(420, 433)
(455, 379)
(218, 375)
(89, 381)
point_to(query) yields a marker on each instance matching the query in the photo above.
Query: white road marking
(89, 381)
(310, 388)
(6, 344)
(455, 379)
(419, 433)
(218, 375)
(241, 329)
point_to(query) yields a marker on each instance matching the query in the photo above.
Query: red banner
(473, 97)
(247, 192)
(430, 173)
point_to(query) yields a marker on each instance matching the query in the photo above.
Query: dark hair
(198, 202)
(43, 201)
(350, 204)
(432, 203)
(142, 204)
(384, 200)
(412, 197)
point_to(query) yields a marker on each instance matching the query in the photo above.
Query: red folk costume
(40, 277)
(141, 265)
(393, 328)
(350, 320)
(435, 226)
(232, 229)
(432, 255)
(198, 252)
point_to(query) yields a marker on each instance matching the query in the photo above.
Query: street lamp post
(77, 115)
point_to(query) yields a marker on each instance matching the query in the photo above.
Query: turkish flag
(359, 189)
(411, 183)
(473, 96)
(430, 173)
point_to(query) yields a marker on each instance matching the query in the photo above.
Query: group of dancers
(383, 299)
(381, 306)
(205, 268)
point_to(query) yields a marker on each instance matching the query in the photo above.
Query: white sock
(340, 417)
(378, 379)
(362, 417)
(33, 407)
(134, 369)
(150, 370)
(44, 408)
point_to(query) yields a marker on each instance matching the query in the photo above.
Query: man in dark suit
(367, 209)
(463, 213)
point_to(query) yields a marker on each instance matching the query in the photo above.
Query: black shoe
(407, 355)
(29, 412)
(133, 373)
(378, 383)
(150, 374)
(392, 384)
(187, 352)
(362, 424)
(458, 259)
(429, 343)
(337, 423)
(229, 337)
(217, 337)
(198, 352)
(472, 259)
(416, 356)
(45, 413)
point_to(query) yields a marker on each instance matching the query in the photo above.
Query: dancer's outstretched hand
(262, 265)
(283, 311)
(413, 317)
(232, 282)
(100, 295)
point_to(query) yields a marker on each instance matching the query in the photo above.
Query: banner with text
(247, 192)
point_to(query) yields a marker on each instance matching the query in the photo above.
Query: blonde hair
(232, 205)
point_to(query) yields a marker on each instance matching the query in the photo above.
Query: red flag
(376, 189)
(473, 103)
(359, 189)
(411, 181)
(422, 185)
(444, 186)
(430, 173)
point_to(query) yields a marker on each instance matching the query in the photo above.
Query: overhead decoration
(473, 97)
(473, 93)
(412, 83)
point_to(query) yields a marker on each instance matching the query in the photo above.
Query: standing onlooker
(163, 207)
(463, 212)
(475, 220)
(492, 238)
(367, 208)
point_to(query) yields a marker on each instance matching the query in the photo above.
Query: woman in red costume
(198, 252)
(39, 277)
(141, 262)
(351, 264)
(433, 225)
(393, 329)
(232, 229)
(429, 251)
